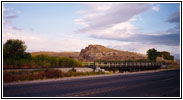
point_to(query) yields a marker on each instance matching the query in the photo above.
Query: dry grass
(58, 54)
(14, 76)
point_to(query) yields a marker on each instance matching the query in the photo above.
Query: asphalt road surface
(150, 84)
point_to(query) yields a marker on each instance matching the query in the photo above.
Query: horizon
(62, 27)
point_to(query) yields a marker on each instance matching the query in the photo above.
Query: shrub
(50, 61)
(12, 76)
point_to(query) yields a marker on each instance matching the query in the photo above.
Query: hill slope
(59, 54)
(98, 52)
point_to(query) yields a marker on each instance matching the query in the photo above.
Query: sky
(59, 27)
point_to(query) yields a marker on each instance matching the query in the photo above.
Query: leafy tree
(14, 56)
(166, 55)
(14, 53)
(14, 48)
(159, 54)
(152, 54)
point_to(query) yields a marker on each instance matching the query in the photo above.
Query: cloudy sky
(59, 27)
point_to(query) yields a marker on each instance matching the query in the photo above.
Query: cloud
(9, 14)
(111, 20)
(165, 39)
(174, 17)
(134, 47)
(10, 32)
(98, 17)
(38, 42)
(156, 8)
(114, 22)
(18, 29)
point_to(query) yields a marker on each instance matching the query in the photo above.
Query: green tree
(152, 54)
(14, 53)
(14, 48)
(159, 54)
(166, 55)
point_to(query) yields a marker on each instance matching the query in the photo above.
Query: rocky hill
(98, 52)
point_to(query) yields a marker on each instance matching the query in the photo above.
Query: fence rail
(125, 65)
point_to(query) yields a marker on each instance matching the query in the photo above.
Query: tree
(14, 53)
(152, 54)
(166, 55)
(159, 54)
(14, 49)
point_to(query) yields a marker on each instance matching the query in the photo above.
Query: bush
(14, 56)
(72, 70)
(12, 76)
(50, 61)
(50, 73)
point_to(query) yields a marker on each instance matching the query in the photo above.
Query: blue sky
(59, 27)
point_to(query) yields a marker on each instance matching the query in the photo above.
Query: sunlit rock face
(98, 52)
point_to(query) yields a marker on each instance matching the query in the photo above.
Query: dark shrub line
(41, 61)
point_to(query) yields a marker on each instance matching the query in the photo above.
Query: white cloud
(36, 42)
(134, 47)
(116, 31)
(114, 22)
(156, 8)
(110, 19)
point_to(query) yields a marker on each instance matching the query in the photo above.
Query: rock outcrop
(98, 52)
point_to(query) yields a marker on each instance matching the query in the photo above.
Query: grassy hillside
(58, 54)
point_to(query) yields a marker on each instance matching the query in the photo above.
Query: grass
(172, 67)
(58, 54)
(15, 76)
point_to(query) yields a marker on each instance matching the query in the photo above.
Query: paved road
(151, 84)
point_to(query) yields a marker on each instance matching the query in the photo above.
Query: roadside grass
(171, 67)
(41, 74)
(15, 76)
(166, 68)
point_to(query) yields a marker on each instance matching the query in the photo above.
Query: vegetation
(174, 67)
(153, 54)
(58, 54)
(13, 76)
(166, 55)
(14, 53)
(14, 49)
(51, 61)
(14, 56)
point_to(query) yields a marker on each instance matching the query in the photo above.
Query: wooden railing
(125, 65)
